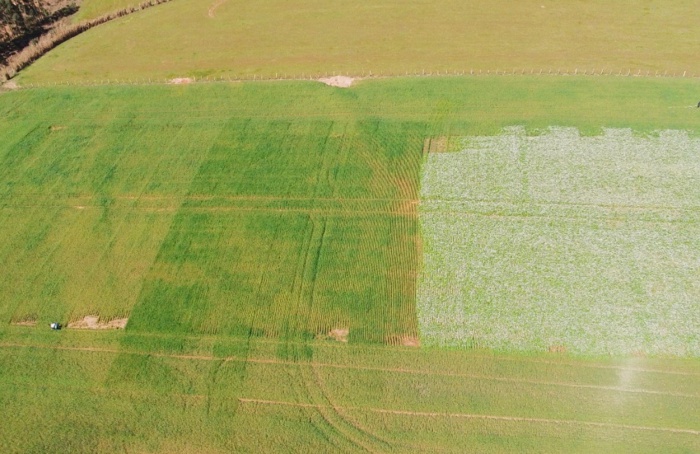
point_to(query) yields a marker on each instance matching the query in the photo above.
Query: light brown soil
(337, 81)
(339, 334)
(410, 341)
(93, 322)
(25, 323)
(406, 341)
(10, 85)
(181, 80)
(557, 349)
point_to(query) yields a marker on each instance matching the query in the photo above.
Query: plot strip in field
(563, 243)
(294, 229)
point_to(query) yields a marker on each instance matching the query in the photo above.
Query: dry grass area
(312, 39)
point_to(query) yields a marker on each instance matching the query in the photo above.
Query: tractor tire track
(384, 369)
(483, 417)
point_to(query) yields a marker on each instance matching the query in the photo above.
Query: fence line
(368, 74)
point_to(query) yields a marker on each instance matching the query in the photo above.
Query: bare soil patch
(403, 340)
(24, 323)
(10, 85)
(181, 80)
(410, 341)
(339, 334)
(93, 322)
(338, 81)
(557, 349)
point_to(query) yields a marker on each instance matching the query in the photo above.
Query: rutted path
(385, 369)
(482, 416)
(214, 6)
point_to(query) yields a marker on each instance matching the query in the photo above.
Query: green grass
(233, 396)
(103, 189)
(233, 223)
(283, 247)
(388, 36)
(239, 225)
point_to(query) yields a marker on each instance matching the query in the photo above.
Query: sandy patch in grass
(403, 340)
(24, 323)
(181, 80)
(410, 341)
(93, 322)
(338, 81)
(339, 334)
(10, 85)
(213, 7)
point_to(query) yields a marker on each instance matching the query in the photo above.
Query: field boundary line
(369, 75)
(370, 346)
(367, 368)
(363, 346)
(235, 198)
(477, 416)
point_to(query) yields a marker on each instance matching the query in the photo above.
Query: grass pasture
(226, 395)
(94, 9)
(213, 38)
(235, 224)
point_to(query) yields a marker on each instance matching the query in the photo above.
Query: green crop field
(267, 38)
(221, 395)
(498, 257)
(286, 227)
(265, 241)
(561, 241)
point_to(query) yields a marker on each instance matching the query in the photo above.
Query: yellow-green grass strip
(168, 403)
(213, 38)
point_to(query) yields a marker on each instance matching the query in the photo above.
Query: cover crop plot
(585, 244)
(294, 229)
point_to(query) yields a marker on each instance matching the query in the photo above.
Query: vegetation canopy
(264, 242)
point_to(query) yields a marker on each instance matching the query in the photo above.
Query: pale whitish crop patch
(590, 243)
